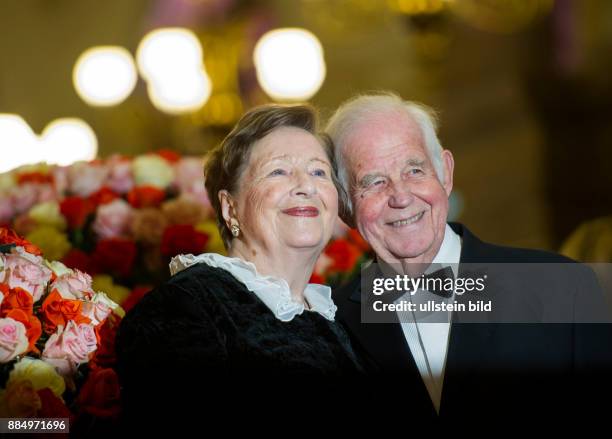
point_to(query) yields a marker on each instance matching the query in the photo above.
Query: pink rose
(70, 346)
(26, 271)
(24, 196)
(73, 286)
(6, 209)
(13, 339)
(189, 179)
(120, 178)
(86, 178)
(96, 311)
(113, 219)
(46, 192)
(60, 179)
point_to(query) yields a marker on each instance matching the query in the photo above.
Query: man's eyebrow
(367, 179)
(415, 162)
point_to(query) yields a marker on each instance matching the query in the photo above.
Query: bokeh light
(290, 64)
(105, 75)
(171, 61)
(17, 142)
(68, 140)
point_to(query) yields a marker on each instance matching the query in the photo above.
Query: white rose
(152, 170)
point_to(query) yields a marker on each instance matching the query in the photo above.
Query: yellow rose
(7, 181)
(152, 170)
(117, 293)
(39, 373)
(58, 268)
(48, 214)
(53, 243)
(19, 400)
(215, 243)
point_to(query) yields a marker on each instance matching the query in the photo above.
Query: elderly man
(399, 178)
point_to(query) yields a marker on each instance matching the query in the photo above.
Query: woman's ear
(227, 207)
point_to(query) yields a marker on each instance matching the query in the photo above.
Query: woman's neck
(293, 265)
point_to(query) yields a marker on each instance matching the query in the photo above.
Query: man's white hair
(361, 108)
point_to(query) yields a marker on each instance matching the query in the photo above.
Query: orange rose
(32, 325)
(58, 311)
(16, 298)
(8, 236)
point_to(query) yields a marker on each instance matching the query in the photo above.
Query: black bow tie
(438, 287)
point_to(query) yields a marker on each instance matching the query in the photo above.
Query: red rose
(8, 236)
(100, 395)
(134, 297)
(115, 255)
(34, 177)
(344, 254)
(32, 325)
(52, 406)
(103, 196)
(57, 311)
(76, 210)
(179, 239)
(106, 333)
(16, 298)
(145, 196)
(316, 279)
(355, 237)
(81, 261)
(169, 155)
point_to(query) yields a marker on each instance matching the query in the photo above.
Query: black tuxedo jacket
(509, 371)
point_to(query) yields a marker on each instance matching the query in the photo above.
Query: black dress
(204, 336)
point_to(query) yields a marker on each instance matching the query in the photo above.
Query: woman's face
(286, 197)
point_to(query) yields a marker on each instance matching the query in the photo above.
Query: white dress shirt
(428, 342)
(274, 292)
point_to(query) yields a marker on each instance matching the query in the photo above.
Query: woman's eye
(377, 183)
(277, 172)
(319, 173)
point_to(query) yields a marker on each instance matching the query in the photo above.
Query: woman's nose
(303, 185)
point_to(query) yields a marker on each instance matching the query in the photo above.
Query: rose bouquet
(56, 339)
(119, 219)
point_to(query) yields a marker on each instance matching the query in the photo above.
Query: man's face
(400, 205)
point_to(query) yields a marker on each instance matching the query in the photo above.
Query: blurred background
(522, 88)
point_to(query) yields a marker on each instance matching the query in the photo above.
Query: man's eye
(319, 173)
(415, 171)
(277, 172)
(378, 182)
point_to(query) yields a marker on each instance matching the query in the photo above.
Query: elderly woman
(227, 326)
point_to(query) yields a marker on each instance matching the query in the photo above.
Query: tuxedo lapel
(469, 343)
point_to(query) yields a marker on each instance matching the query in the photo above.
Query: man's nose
(303, 184)
(400, 195)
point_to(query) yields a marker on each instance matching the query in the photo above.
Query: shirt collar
(274, 292)
(449, 253)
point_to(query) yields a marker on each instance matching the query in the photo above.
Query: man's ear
(227, 207)
(448, 166)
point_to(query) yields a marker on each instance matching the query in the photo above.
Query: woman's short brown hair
(226, 162)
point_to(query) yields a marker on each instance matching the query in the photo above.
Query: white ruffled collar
(272, 291)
